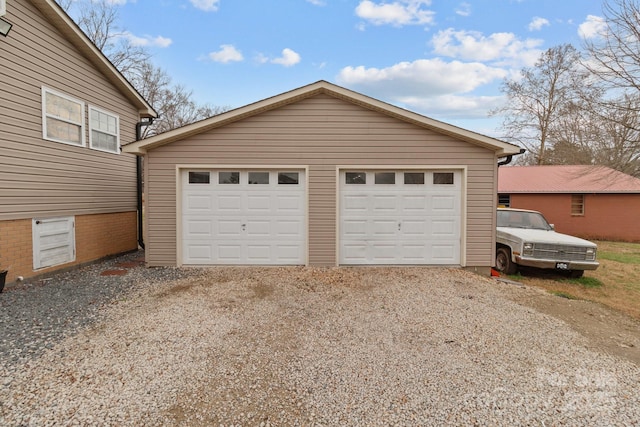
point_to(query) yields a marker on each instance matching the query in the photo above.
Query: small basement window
(445, 178)
(199, 178)
(577, 205)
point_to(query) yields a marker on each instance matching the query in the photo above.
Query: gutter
(508, 159)
(139, 168)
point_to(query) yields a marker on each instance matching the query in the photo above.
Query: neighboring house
(321, 176)
(67, 193)
(593, 202)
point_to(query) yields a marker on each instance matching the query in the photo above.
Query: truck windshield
(520, 219)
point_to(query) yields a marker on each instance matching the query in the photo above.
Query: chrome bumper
(547, 263)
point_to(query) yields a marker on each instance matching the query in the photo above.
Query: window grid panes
(385, 177)
(258, 177)
(228, 177)
(577, 204)
(445, 178)
(355, 178)
(288, 178)
(504, 200)
(63, 118)
(104, 131)
(199, 177)
(414, 177)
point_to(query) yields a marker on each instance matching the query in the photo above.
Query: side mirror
(553, 227)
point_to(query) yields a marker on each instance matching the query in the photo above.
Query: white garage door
(243, 217)
(400, 217)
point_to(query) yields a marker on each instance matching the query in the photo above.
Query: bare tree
(541, 96)
(614, 53)
(174, 103)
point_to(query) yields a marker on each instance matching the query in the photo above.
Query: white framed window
(104, 130)
(62, 118)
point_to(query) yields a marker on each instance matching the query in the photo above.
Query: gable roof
(501, 148)
(565, 179)
(59, 18)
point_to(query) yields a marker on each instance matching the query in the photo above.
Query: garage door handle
(244, 227)
(399, 226)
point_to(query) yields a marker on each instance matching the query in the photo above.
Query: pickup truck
(525, 238)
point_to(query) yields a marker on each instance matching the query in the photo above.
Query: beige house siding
(45, 178)
(323, 133)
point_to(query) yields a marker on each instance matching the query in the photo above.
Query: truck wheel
(504, 263)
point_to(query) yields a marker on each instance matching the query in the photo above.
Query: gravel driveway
(296, 346)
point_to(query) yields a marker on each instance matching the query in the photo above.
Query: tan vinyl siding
(321, 132)
(45, 178)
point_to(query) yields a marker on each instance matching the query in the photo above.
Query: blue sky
(441, 58)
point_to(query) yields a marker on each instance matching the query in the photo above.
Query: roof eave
(500, 148)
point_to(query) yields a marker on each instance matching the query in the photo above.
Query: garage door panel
(414, 228)
(259, 203)
(444, 227)
(262, 222)
(199, 203)
(355, 228)
(287, 203)
(258, 228)
(229, 228)
(400, 223)
(199, 229)
(199, 253)
(229, 203)
(384, 204)
(355, 204)
(289, 228)
(443, 205)
(288, 254)
(444, 253)
(258, 253)
(382, 228)
(414, 205)
(230, 252)
(414, 253)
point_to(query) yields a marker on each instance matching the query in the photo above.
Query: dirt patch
(607, 330)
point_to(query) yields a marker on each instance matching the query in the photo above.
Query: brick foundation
(97, 236)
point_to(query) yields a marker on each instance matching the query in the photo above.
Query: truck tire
(504, 263)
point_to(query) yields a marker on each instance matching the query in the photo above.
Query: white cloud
(464, 9)
(592, 27)
(149, 41)
(398, 13)
(453, 106)
(422, 78)
(288, 58)
(227, 53)
(206, 5)
(537, 23)
(499, 48)
(317, 2)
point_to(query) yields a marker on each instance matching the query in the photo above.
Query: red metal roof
(565, 179)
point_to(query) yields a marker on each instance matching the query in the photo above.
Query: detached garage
(321, 176)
